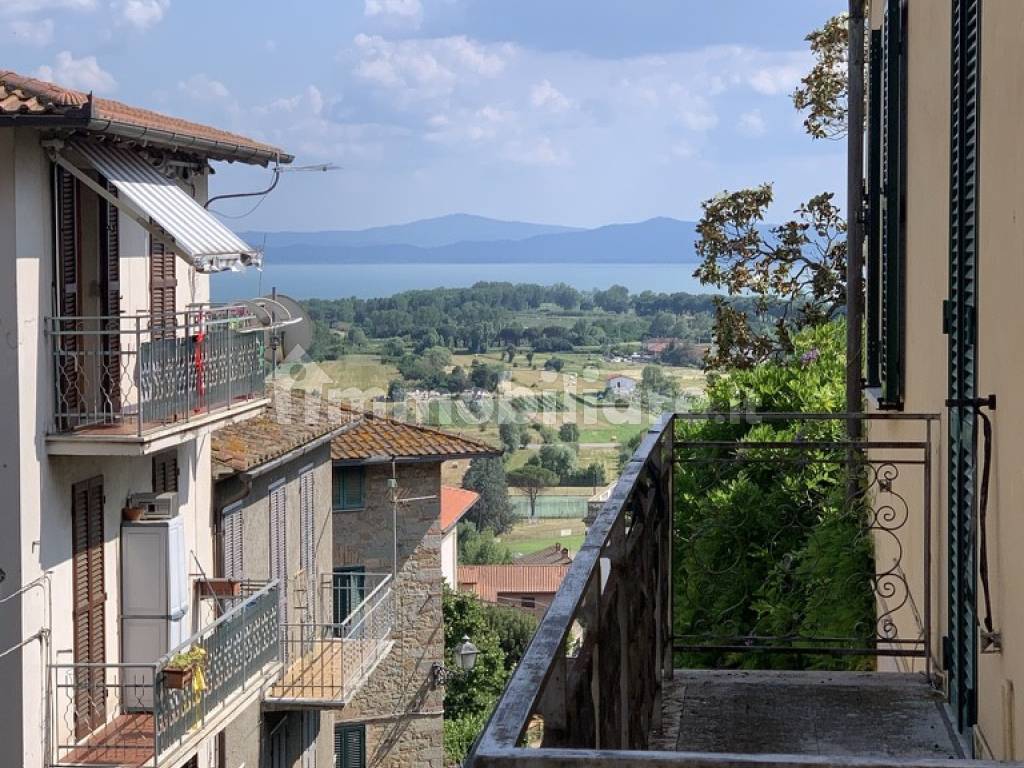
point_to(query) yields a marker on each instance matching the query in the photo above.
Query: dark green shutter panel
(961, 326)
(874, 233)
(349, 746)
(893, 187)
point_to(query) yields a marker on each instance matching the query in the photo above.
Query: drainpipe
(855, 218)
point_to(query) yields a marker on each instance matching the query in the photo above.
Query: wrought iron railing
(132, 714)
(130, 374)
(329, 659)
(650, 589)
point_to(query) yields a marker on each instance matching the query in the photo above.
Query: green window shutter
(874, 187)
(893, 189)
(349, 488)
(960, 324)
(349, 746)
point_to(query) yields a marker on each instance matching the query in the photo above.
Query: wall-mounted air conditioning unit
(156, 506)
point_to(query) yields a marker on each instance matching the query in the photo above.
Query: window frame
(340, 756)
(339, 490)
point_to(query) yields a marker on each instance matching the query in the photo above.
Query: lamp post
(465, 657)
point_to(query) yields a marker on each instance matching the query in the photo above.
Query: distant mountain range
(462, 238)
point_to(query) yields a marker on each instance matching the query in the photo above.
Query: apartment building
(117, 370)
(945, 177)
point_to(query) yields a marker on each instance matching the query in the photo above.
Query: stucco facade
(999, 675)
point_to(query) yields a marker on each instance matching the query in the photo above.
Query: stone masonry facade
(403, 713)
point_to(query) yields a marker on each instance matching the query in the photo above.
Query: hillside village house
(116, 372)
(455, 504)
(620, 386)
(530, 587)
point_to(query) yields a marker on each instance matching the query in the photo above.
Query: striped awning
(190, 229)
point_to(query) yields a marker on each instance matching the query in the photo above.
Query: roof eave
(416, 459)
(182, 141)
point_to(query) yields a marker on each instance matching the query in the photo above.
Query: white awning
(190, 229)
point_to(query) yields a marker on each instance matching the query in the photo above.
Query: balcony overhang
(115, 441)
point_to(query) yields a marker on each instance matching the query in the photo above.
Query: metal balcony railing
(674, 591)
(130, 374)
(130, 714)
(327, 659)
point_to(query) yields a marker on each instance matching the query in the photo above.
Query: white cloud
(752, 124)
(545, 96)
(37, 33)
(310, 101)
(409, 9)
(773, 81)
(141, 14)
(425, 68)
(84, 74)
(27, 7)
(204, 88)
(542, 153)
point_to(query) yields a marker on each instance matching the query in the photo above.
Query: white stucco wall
(450, 557)
(37, 510)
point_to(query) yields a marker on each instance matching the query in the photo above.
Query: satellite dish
(290, 329)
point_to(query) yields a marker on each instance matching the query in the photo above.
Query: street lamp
(465, 656)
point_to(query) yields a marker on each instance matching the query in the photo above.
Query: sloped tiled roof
(455, 502)
(489, 582)
(556, 554)
(292, 420)
(23, 96)
(379, 438)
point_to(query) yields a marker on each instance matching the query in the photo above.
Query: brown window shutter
(165, 471)
(89, 600)
(68, 247)
(162, 287)
(110, 278)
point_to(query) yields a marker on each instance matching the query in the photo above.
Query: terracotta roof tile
(455, 502)
(489, 582)
(556, 554)
(377, 437)
(292, 420)
(22, 95)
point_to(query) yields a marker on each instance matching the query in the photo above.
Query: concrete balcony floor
(836, 714)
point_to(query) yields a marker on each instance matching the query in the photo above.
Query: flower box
(220, 588)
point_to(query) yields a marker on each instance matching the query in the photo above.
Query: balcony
(328, 661)
(122, 383)
(666, 645)
(131, 715)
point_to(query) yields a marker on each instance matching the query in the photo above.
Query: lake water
(332, 281)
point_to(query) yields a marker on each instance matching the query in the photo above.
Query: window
(232, 527)
(310, 732)
(349, 488)
(165, 471)
(349, 746)
(527, 601)
(887, 185)
(349, 588)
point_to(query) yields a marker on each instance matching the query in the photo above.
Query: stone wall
(403, 713)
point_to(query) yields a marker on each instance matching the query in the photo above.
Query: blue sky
(580, 112)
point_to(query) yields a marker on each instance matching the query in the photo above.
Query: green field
(527, 537)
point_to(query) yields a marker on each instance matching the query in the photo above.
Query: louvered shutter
(873, 331)
(89, 603)
(232, 535)
(279, 548)
(893, 188)
(349, 746)
(961, 326)
(165, 471)
(68, 246)
(162, 289)
(307, 544)
(110, 296)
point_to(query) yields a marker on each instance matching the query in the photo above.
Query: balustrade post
(618, 579)
(231, 362)
(591, 610)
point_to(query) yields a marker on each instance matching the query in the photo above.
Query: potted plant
(182, 666)
(220, 587)
(132, 514)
